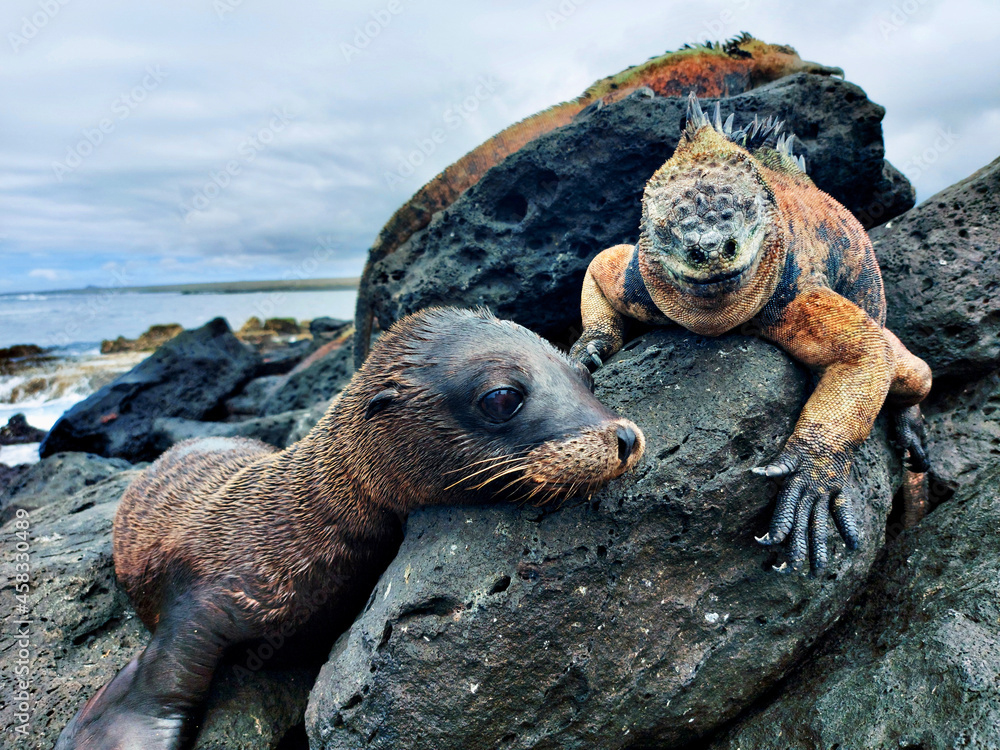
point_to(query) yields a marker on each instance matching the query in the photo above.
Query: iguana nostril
(729, 249)
(697, 255)
(626, 442)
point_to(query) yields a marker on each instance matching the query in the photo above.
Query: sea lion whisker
(511, 456)
(494, 463)
(509, 470)
(514, 482)
(497, 464)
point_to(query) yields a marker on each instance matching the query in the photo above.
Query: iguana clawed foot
(817, 487)
(910, 438)
(591, 354)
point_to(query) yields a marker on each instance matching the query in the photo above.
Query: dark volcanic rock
(9, 475)
(941, 267)
(521, 239)
(319, 378)
(644, 617)
(19, 357)
(188, 377)
(963, 429)
(285, 358)
(17, 431)
(918, 665)
(274, 430)
(307, 420)
(328, 326)
(83, 629)
(57, 478)
(248, 402)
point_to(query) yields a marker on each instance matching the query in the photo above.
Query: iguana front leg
(825, 331)
(613, 290)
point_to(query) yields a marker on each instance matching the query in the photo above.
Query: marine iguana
(734, 233)
(712, 70)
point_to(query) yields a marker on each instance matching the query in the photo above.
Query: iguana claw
(910, 436)
(784, 466)
(588, 355)
(592, 351)
(815, 490)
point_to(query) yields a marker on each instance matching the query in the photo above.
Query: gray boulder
(17, 431)
(521, 239)
(963, 428)
(188, 377)
(319, 378)
(275, 430)
(56, 478)
(328, 327)
(942, 276)
(9, 475)
(285, 357)
(248, 402)
(644, 616)
(83, 629)
(918, 665)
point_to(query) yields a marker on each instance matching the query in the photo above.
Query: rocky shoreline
(645, 616)
(281, 343)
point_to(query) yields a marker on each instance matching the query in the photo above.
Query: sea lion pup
(222, 541)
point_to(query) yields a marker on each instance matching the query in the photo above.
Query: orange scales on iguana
(712, 70)
(734, 232)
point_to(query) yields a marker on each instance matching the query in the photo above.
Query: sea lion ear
(381, 401)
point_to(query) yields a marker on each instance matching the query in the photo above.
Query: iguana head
(709, 235)
(705, 227)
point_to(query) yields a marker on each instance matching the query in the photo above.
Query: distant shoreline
(217, 287)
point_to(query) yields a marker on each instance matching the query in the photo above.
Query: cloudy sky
(211, 140)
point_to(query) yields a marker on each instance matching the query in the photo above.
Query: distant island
(220, 287)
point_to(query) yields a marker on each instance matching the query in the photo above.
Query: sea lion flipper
(149, 702)
(119, 716)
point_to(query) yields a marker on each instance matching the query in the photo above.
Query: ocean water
(82, 321)
(72, 326)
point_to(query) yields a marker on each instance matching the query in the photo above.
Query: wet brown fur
(224, 540)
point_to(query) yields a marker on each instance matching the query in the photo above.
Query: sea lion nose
(626, 442)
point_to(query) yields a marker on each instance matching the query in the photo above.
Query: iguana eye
(501, 404)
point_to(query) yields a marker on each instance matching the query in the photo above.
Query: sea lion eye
(501, 404)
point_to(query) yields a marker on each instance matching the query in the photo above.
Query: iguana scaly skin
(733, 232)
(715, 70)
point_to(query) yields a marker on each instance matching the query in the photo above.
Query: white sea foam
(44, 392)
(12, 455)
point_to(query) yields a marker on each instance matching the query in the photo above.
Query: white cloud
(49, 274)
(323, 175)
